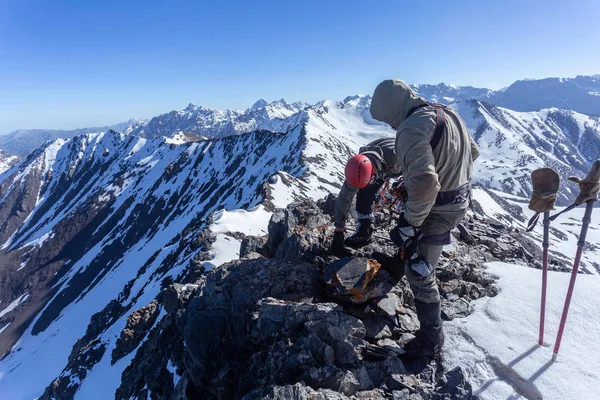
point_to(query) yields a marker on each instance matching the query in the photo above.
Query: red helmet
(359, 171)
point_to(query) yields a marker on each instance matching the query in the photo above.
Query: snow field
(497, 344)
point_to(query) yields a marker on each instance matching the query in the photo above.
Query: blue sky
(68, 64)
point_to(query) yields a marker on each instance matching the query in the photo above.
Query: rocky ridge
(267, 327)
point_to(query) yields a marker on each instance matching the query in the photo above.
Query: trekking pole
(580, 245)
(545, 182)
(545, 245)
(589, 188)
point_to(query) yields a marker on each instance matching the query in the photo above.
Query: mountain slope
(23, 141)
(513, 144)
(95, 224)
(7, 160)
(101, 217)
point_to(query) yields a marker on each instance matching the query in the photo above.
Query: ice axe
(589, 188)
(545, 182)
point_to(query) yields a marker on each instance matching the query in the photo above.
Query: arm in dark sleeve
(343, 203)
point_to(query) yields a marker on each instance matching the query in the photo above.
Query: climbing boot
(363, 235)
(430, 338)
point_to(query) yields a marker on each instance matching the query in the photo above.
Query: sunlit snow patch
(227, 248)
(497, 345)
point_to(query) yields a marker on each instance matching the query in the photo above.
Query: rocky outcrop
(138, 324)
(268, 327)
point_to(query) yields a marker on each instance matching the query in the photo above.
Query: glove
(405, 235)
(337, 245)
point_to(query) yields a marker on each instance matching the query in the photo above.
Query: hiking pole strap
(533, 222)
(566, 210)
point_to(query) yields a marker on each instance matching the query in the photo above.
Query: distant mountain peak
(191, 108)
(260, 103)
(358, 100)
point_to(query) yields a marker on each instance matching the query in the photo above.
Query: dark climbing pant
(365, 198)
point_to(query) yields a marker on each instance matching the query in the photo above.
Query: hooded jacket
(429, 174)
(382, 154)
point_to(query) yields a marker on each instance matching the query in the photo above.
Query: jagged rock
(391, 304)
(223, 321)
(400, 381)
(379, 371)
(407, 321)
(455, 307)
(252, 244)
(455, 387)
(376, 327)
(465, 235)
(293, 248)
(391, 346)
(203, 240)
(403, 394)
(370, 395)
(138, 324)
(197, 268)
(176, 296)
(148, 370)
(281, 226)
(299, 229)
(294, 392)
(453, 270)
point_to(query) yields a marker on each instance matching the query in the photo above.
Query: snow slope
(112, 216)
(513, 144)
(7, 160)
(497, 345)
(513, 212)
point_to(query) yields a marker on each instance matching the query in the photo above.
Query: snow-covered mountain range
(214, 123)
(21, 142)
(580, 94)
(94, 226)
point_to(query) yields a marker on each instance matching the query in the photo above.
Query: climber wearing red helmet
(359, 171)
(365, 174)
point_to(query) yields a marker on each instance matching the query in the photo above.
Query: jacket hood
(392, 100)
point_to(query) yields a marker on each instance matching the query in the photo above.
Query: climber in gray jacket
(435, 153)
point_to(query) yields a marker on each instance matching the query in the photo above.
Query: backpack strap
(440, 126)
(440, 121)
